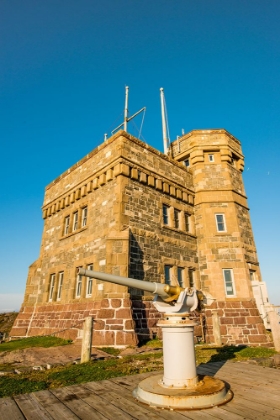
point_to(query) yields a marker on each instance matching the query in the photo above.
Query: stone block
(227, 320)
(102, 338)
(105, 303)
(123, 313)
(253, 320)
(239, 320)
(129, 325)
(126, 338)
(106, 313)
(258, 338)
(116, 303)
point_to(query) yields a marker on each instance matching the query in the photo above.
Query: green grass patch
(76, 374)
(26, 343)
(205, 354)
(154, 343)
(111, 350)
(99, 370)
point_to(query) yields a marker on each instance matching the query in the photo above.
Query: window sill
(178, 230)
(73, 233)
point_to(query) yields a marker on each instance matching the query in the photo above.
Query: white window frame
(60, 284)
(230, 283)
(165, 216)
(75, 221)
(79, 285)
(167, 274)
(89, 282)
(177, 218)
(223, 222)
(84, 216)
(52, 284)
(66, 225)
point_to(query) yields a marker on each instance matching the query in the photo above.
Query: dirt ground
(60, 355)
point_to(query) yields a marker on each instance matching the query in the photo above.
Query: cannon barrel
(163, 290)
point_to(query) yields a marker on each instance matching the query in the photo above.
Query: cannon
(180, 387)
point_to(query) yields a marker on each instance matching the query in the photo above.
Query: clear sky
(63, 68)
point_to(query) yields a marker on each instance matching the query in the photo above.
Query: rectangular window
(89, 281)
(176, 218)
(252, 275)
(187, 222)
(165, 212)
(84, 216)
(191, 278)
(60, 284)
(211, 158)
(167, 274)
(75, 221)
(220, 222)
(228, 278)
(79, 285)
(66, 225)
(180, 276)
(52, 282)
(187, 162)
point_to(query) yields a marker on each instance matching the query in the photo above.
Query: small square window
(167, 274)
(221, 223)
(211, 158)
(229, 284)
(187, 162)
(165, 213)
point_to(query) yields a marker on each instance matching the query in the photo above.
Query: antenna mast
(125, 109)
(164, 123)
(126, 118)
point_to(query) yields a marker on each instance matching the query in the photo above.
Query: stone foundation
(239, 323)
(120, 322)
(113, 323)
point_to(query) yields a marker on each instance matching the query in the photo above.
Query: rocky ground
(53, 356)
(6, 322)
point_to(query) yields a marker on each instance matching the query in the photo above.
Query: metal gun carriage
(180, 387)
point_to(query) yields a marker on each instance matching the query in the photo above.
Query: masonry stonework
(129, 210)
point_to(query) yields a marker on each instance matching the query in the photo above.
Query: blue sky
(63, 68)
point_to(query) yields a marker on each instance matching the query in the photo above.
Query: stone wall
(113, 322)
(239, 323)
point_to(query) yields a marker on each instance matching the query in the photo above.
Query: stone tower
(130, 210)
(226, 250)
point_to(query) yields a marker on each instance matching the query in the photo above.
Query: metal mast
(126, 118)
(164, 123)
(125, 109)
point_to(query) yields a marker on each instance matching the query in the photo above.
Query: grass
(128, 365)
(25, 343)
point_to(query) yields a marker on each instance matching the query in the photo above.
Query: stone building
(130, 210)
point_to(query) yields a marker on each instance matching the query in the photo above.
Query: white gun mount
(180, 387)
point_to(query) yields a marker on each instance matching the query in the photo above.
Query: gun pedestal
(180, 387)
